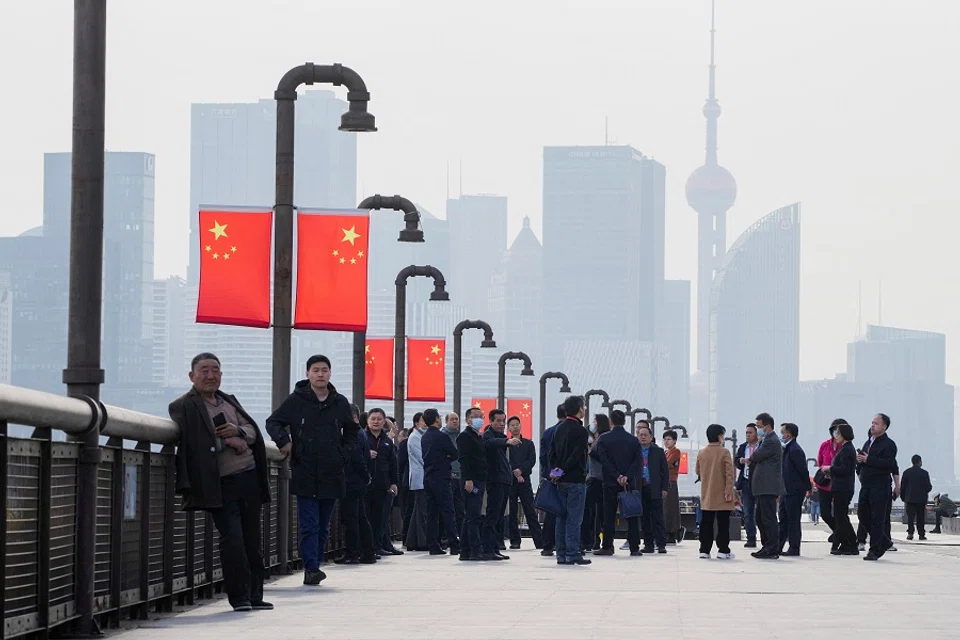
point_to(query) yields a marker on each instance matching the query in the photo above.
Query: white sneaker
(862, 547)
(705, 556)
(625, 546)
(725, 556)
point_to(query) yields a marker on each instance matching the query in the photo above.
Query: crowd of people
(461, 488)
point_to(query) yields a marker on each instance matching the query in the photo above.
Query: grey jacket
(766, 471)
(454, 464)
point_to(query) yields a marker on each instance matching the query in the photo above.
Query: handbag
(631, 503)
(821, 478)
(548, 499)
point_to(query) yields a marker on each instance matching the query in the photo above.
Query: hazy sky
(845, 106)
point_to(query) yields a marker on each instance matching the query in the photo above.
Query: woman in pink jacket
(828, 448)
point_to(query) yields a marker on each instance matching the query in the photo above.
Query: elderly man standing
(766, 484)
(222, 469)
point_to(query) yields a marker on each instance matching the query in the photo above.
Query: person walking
(841, 472)
(715, 469)
(915, 487)
(766, 472)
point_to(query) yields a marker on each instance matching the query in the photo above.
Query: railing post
(4, 471)
(284, 517)
(169, 508)
(43, 527)
(143, 486)
(208, 530)
(116, 530)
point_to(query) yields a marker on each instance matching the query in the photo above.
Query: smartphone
(219, 420)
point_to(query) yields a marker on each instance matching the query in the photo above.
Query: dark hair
(915, 459)
(836, 423)
(670, 433)
(765, 419)
(885, 419)
(643, 423)
(431, 417)
(391, 418)
(752, 425)
(561, 412)
(470, 410)
(312, 360)
(377, 410)
(792, 429)
(405, 432)
(617, 417)
(715, 432)
(206, 355)
(512, 418)
(846, 431)
(572, 405)
(493, 413)
(416, 417)
(355, 410)
(603, 423)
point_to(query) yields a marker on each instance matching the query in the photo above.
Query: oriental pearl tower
(711, 191)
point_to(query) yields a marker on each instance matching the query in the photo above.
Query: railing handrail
(19, 405)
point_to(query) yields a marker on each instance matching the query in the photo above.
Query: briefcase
(631, 503)
(548, 499)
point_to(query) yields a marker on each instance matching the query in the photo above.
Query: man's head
(618, 418)
(473, 414)
(645, 435)
(715, 433)
(879, 425)
(431, 418)
(376, 420)
(355, 413)
(643, 423)
(498, 420)
(789, 431)
(573, 407)
(318, 371)
(669, 438)
(916, 461)
(205, 373)
(751, 433)
(765, 422)
(561, 413)
(513, 425)
(452, 421)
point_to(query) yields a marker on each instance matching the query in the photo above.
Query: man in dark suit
(438, 452)
(655, 483)
(222, 469)
(499, 479)
(915, 487)
(549, 520)
(766, 484)
(796, 484)
(876, 462)
(522, 459)
(618, 451)
(742, 462)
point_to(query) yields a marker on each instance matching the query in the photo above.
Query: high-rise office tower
(516, 296)
(672, 397)
(478, 226)
(6, 327)
(711, 191)
(168, 357)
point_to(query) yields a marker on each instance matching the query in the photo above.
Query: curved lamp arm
(411, 217)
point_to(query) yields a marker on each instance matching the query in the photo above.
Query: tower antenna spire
(711, 110)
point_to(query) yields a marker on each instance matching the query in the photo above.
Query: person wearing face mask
(593, 504)
(473, 472)
(796, 484)
(766, 485)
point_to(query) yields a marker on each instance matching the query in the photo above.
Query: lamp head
(488, 344)
(410, 235)
(358, 122)
(527, 371)
(565, 389)
(440, 296)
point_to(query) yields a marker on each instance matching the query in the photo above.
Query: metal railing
(149, 553)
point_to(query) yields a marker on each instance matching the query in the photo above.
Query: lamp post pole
(410, 233)
(732, 439)
(502, 374)
(646, 413)
(586, 400)
(439, 293)
(628, 412)
(564, 388)
(488, 343)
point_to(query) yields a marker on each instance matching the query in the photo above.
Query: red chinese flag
(684, 462)
(379, 369)
(235, 267)
(523, 409)
(426, 379)
(486, 405)
(332, 270)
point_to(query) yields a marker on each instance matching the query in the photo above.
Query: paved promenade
(908, 594)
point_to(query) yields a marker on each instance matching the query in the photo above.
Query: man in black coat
(655, 480)
(549, 520)
(568, 468)
(796, 484)
(522, 458)
(384, 479)
(499, 480)
(315, 428)
(915, 487)
(358, 541)
(618, 451)
(876, 462)
(473, 471)
(222, 469)
(438, 453)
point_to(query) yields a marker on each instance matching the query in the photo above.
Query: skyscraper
(477, 223)
(755, 322)
(168, 358)
(516, 296)
(672, 391)
(711, 191)
(6, 327)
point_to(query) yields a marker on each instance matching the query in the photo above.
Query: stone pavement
(910, 593)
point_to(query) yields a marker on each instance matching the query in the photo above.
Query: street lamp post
(356, 119)
(732, 439)
(564, 388)
(502, 374)
(439, 293)
(627, 412)
(586, 401)
(410, 233)
(655, 420)
(682, 429)
(646, 412)
(488, 343)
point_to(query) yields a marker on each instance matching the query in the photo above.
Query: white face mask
(476, 424)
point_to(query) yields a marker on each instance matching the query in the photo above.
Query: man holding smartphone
(222, 468)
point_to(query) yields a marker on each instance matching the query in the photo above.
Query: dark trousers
(492, 528)
(873, 507)
(456, 488)
(592, 515)
(406, 505)
(844, 537)
(654, 530)
(790, 512)
(722, 534)
(357, 534)
(314, 515)
(549, 531)
(385, 541)
(238, 522)
(610, 503)
(916, 512)
(375, 499)
(749, 512)
(767, 523)
(826, 509)
(440, 506)
(521, 497)
(470, 541)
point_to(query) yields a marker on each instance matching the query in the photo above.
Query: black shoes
(260, 605)
(546, 551)
(314, 577)
(750, 544)
(765, 555)
(243, 606)
(604, 552)
(437, 552)
(872, 557)
(637, 553)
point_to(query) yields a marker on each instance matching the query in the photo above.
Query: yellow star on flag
(218, 230)
(359, 254)
(526, 406)
(226, 256)
(336, 252)
(350, 235)
(216, 255)
(208, 248)
(367, 349)
(342, 261)
(477, 406)
(353, 261)
(435, 349)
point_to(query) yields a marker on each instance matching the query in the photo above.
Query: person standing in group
(876, 461)
(403, 472)
(715, 470)
(384, 478)
(438, 453)
(315, 429)
(766, 484)
(499, 479)
(451, 428)
(593, 500)
(618, 453)
(416, 539)
(915, 488)
(473, 471)
(655, 480)
(828, 448)
(549, 519)
(221, 468)
(671, 504)
(742, 463)
(522, 459)
(357, 533)
(568, 468)
(842, 471)
(796, 484)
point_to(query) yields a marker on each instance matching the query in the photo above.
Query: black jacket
(842, 469)
(881, 463)
(403, 464)
(915, 486)
(438, 452)
(658, 470)
(473, 457)
(618, 452)
(384, 469)
(523, 457)
(796, 478)
(198, 473)
(741, 468)
(568, 451)
(324, 439)
(357, 470)
(498, 467)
